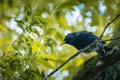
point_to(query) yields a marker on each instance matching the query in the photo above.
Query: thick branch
(90, 72)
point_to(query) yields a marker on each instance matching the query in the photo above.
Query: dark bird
(82, 39)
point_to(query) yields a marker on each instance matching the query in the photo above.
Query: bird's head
(69, 39)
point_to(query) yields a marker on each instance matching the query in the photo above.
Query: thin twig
(73, 56)
(108, 25)
(17, 39)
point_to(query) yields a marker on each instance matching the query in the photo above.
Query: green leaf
(45, 63)
(50, 31)
(68, 4)
(59, 36)
(36, 46)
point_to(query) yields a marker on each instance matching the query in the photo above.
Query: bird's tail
(103, 51)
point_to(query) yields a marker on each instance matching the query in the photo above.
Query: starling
(82, 39)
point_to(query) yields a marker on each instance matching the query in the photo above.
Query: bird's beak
(62, 43)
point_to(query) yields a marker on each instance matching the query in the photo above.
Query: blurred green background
(31, 32)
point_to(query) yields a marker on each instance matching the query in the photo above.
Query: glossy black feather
(82, 39)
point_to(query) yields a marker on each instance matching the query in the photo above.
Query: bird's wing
(93, 37)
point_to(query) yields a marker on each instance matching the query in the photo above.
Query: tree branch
(62, 65)
(91, 71)
(108, 25)
(17, 39)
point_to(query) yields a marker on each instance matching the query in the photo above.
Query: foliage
(31, 31)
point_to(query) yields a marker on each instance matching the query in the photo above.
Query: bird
(82, 39)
